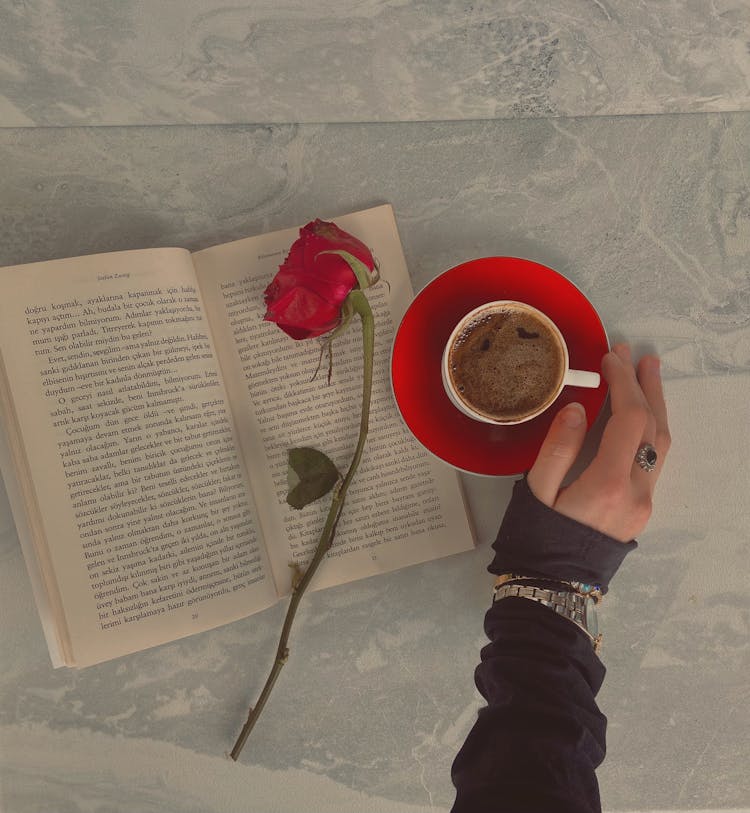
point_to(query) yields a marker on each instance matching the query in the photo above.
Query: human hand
(613, 494)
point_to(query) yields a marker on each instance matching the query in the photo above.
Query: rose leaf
(311, 475)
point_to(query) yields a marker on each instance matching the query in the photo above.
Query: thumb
(558, 453)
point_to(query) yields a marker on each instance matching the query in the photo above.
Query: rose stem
(362, 307)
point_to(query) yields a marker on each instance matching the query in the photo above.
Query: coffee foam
(506, 364)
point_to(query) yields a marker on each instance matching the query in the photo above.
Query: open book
(147, 410)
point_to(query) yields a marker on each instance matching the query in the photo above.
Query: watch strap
(583, 589)
(566, 603)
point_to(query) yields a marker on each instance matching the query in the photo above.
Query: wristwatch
(583, 589)
(580, 608)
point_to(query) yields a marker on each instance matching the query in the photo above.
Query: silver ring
(646, 457)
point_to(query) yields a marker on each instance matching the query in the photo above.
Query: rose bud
(306, 296)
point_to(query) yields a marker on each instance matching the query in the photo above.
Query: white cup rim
(461, 324)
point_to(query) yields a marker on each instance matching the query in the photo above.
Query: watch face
(589, 617)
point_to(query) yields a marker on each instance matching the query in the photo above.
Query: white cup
(572, 378)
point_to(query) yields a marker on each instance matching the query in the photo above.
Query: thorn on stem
(297, 575)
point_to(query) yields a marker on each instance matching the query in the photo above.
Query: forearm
(536, 745)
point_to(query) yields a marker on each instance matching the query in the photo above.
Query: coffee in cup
(506, 362)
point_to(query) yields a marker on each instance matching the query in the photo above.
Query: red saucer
(470, 445)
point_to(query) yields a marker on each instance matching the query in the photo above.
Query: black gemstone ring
(646, 457)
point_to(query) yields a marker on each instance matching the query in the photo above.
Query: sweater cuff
(536, 540)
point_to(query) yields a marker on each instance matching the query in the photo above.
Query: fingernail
(623, 351)
(573, 415)
(613, 357)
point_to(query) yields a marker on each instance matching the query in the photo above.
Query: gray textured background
(204, 62)
(492, 128)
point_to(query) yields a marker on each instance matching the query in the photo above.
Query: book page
(125, 451)
(403, 506)
(42, 596)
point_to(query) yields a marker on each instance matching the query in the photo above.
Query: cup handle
(581, 378)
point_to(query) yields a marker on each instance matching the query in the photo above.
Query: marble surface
(650, 216)
(117, 62)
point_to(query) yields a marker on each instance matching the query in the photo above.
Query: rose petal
(335, 274)
(306, 295)
(295, 332)
(321, 235)
(303, 311)
(329, 276)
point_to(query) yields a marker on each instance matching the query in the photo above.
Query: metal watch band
(567, 604)
(583, 589)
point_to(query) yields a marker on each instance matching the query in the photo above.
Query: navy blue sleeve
(537, 743)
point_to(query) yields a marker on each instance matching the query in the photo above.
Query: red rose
(305, 297)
